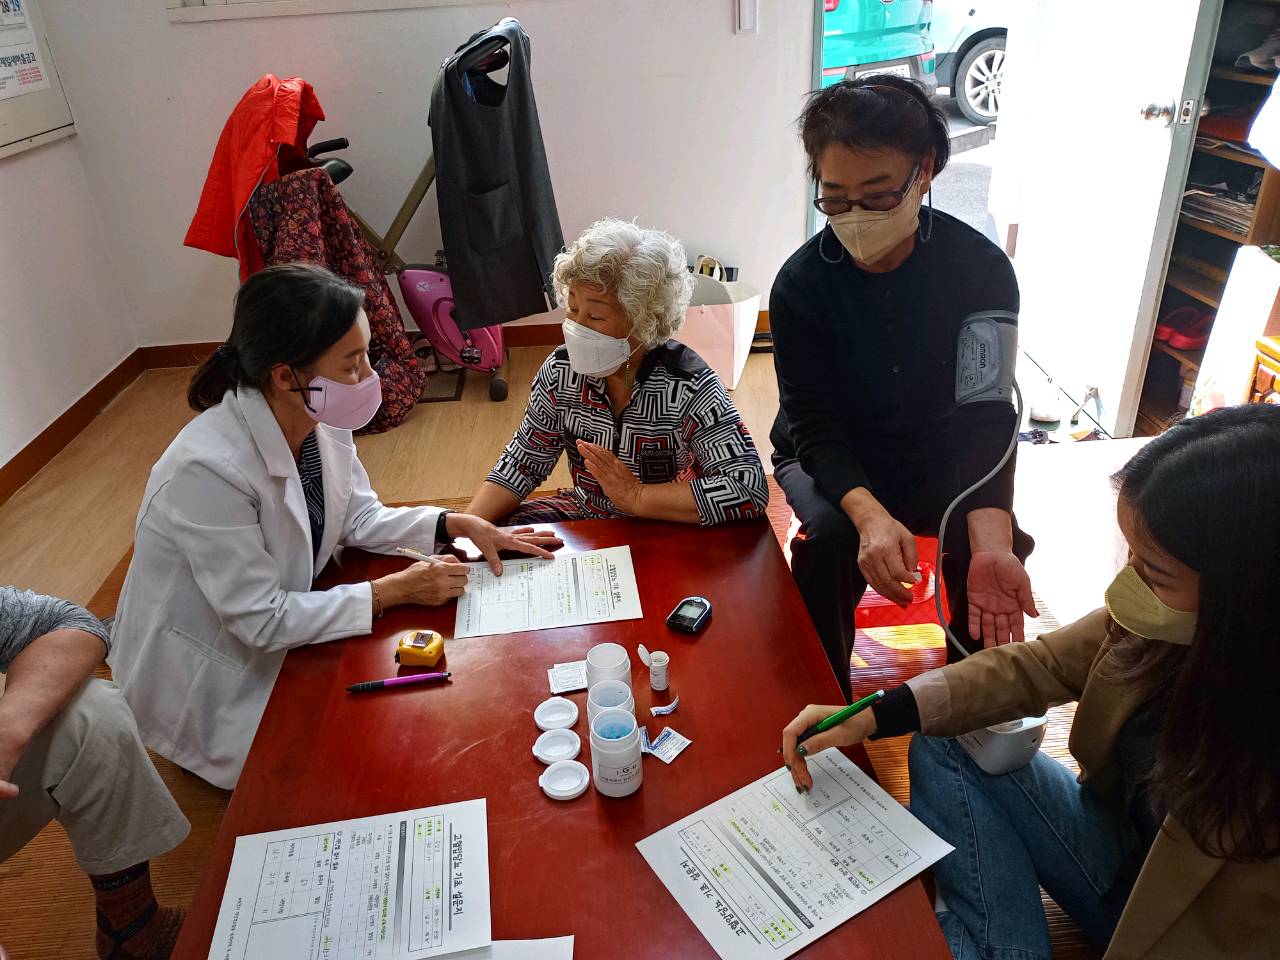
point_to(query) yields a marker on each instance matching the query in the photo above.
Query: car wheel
(978, 81)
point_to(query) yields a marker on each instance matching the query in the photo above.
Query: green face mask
(1134, 606)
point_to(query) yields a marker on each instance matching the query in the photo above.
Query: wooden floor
(67, 531)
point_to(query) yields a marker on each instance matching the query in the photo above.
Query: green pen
(840, 716)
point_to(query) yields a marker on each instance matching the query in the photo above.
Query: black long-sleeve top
(866, 366)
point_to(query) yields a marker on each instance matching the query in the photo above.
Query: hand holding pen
(432, 581)
(818, 727)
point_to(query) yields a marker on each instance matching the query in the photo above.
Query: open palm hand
(999, 593)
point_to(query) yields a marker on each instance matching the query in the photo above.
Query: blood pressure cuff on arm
(986, 352)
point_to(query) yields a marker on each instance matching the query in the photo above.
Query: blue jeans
(1014, 833)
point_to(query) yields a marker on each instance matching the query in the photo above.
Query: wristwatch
(442, 531)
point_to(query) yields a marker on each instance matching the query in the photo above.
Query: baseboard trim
(51, 441)
(176, 354)
(28, 461)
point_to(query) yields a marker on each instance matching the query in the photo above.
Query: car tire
(979, 76)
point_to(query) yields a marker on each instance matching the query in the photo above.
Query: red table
(322, 754)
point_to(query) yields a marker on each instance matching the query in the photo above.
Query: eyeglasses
(879, 202)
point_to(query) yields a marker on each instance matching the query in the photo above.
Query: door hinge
(1188, 111)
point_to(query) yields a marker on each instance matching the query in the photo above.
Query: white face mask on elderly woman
(870, 234)
(592, 353)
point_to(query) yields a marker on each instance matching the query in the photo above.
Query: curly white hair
(645, 269)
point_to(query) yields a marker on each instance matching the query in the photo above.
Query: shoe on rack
(1263, 56)
(1175, 320)
(1194, 335)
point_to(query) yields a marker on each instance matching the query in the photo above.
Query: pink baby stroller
(426, 289)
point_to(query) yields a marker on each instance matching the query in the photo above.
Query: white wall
(64, 319)
(652, 109)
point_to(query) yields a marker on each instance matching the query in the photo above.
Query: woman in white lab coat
(245, 508)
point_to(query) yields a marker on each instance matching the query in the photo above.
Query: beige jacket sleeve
(1009, 682)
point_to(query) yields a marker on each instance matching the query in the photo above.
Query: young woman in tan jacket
(1168, 843)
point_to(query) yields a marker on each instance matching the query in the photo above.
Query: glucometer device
(985, 357)
(690, 615)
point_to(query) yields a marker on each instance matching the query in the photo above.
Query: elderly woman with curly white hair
(649, 429)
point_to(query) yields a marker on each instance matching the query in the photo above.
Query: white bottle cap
(565, 780)
(556, 745)
(555, 713)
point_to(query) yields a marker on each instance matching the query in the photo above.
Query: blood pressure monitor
(690, 615)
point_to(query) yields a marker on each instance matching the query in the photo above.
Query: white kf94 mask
(592, 353)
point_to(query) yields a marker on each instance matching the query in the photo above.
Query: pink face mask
(347, 406)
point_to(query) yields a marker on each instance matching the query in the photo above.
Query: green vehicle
(878, 36)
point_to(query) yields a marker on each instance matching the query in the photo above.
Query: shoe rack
(1203, 252)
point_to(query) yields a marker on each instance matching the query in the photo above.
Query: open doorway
(953, 48)
(956, 49)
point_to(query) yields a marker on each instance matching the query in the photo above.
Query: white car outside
(969, 38)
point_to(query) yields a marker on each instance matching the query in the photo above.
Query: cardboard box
(719, 325)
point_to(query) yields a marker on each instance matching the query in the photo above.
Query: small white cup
(616, 769)
(607, 695)
(608, 661)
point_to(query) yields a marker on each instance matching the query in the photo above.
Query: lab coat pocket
(493, 218)
(207, 651)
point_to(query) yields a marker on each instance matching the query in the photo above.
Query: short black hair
(875, 112)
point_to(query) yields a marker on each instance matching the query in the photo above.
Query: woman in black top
(870, 442)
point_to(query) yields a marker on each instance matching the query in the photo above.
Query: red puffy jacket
(265, 137)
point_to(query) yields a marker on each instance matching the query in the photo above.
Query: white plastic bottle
(615, 753)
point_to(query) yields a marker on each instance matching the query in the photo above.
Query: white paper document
(766, 872)
(598, 586)
(407, 885)
(553, 948)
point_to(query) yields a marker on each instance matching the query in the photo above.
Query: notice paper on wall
(766, 871)
(407, 885)
(22, 69)
(598, 586)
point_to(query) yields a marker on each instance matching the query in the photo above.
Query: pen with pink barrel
(404, 681)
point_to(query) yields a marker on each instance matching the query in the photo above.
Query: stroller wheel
(497, 389)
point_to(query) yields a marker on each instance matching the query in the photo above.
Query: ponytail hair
(288, 314)
(875, 112)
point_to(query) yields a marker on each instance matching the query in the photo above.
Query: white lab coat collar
(278, 458)
(337, 451)
(266, 432)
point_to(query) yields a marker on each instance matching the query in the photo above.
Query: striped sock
(131, 925)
